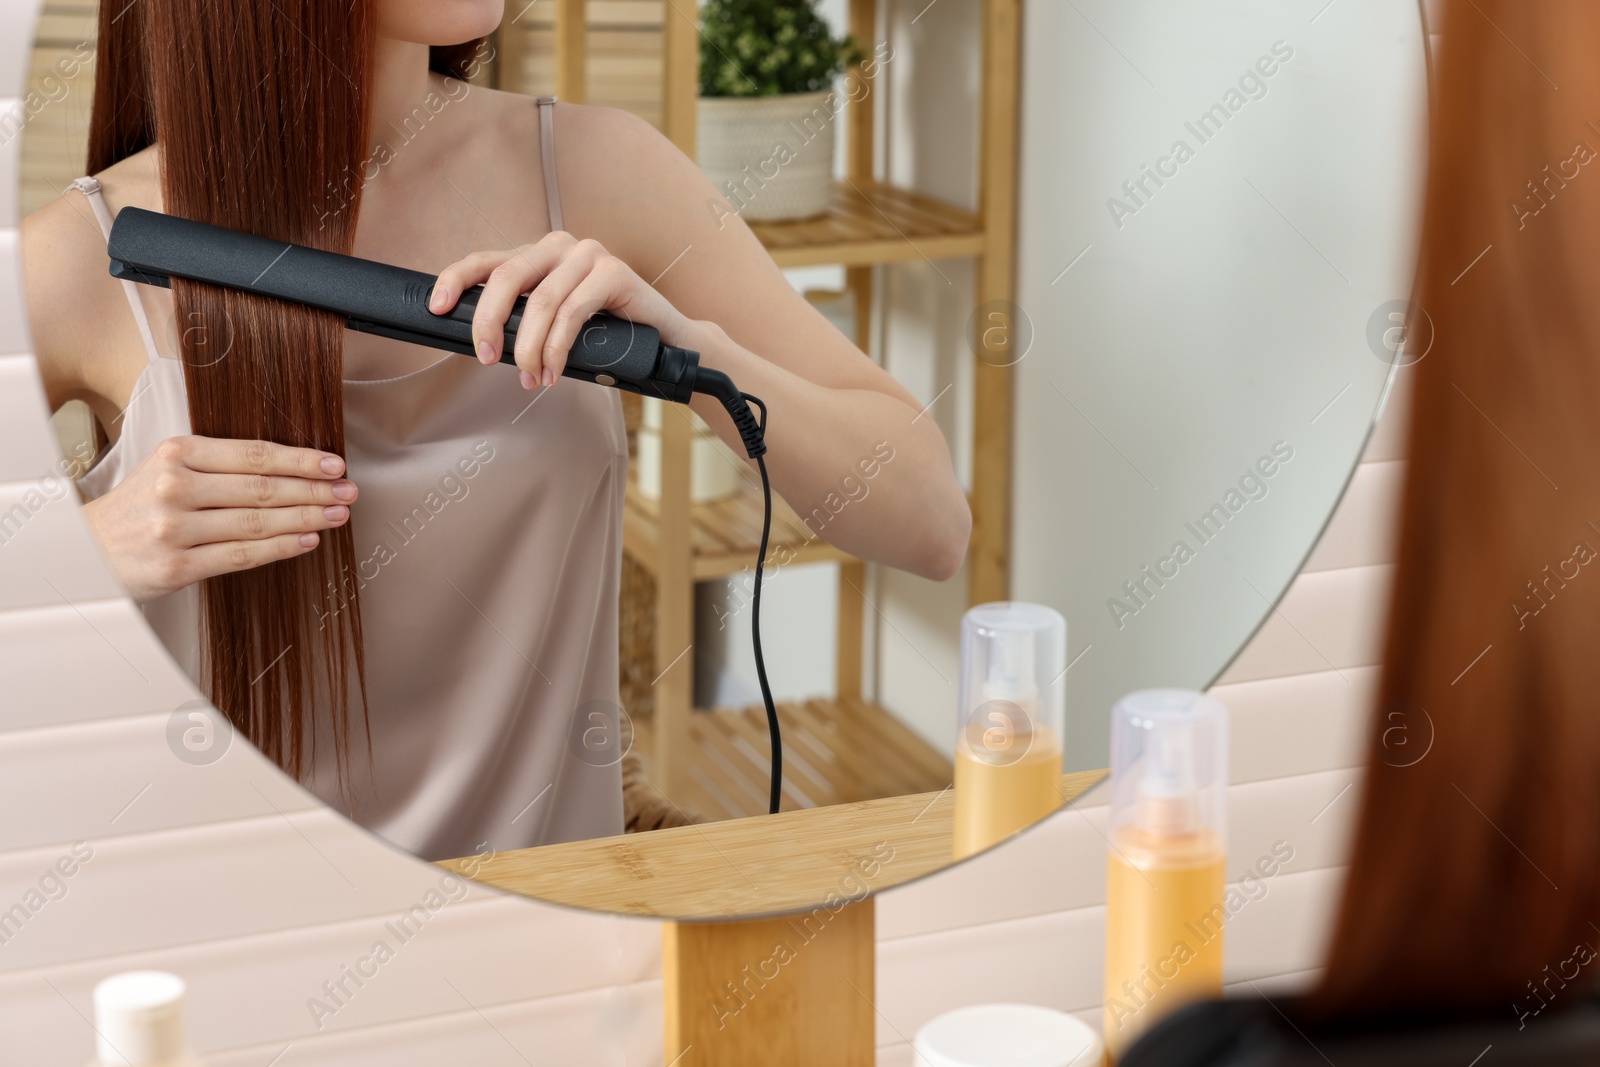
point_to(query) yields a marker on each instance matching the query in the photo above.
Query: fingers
(460, 276)
(224, 557)
(566, 280)
(223, 456)
(602, 287)
(532, 347)
(505, 276)
(196, 490)
(217, 525)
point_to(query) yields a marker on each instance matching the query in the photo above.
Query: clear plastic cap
(1169, 762)
(1013, 695)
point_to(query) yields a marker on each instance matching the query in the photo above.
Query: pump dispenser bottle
(1010, 721)
(1164, 886)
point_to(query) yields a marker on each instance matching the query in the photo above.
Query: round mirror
(1155, 365)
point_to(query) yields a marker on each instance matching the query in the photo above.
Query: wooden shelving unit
(834, 752)
(724, 535)
(869, 223)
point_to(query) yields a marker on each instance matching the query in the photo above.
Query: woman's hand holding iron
(568, 280)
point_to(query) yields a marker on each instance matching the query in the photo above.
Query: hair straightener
(377, 298)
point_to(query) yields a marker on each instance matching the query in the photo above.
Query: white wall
(233, 877)
(1191, 339)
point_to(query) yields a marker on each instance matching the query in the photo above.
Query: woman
(341, 533)
(1473, 890)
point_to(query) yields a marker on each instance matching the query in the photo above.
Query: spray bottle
(1164, 886)
(1011, 720)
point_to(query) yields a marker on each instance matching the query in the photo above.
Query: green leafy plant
(768, 47)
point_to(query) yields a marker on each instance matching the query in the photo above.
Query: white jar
(1008, 1035)
(138, 1021)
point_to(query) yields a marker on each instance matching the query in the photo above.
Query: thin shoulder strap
(547, 157)
(90, 188)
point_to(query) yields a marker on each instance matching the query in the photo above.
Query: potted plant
(765, 124)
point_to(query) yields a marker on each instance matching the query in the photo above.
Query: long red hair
(1476, 861)
(260, 111)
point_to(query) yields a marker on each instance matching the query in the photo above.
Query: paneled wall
(233, 877)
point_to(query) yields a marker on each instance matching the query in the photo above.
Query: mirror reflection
(484, 576)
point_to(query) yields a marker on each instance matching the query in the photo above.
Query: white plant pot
(714, 470)
(771, 156)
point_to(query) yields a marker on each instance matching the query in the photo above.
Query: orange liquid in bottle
(998, 794)
(1164, 914)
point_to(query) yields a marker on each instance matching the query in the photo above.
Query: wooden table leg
(795, 991)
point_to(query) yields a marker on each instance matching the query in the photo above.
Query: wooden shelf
(872, 222)
(724, 535)
(835, 751)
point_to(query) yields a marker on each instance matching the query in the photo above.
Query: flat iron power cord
(752, 433)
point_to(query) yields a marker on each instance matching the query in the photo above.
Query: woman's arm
(834, 415)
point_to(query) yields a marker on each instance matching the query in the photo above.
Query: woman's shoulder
(625, 183)
(65, 235)
(64, 265)
(596, 136)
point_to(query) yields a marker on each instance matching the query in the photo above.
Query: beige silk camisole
(488, 539)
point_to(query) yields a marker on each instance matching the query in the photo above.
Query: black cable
(753, 433)
(755, 618)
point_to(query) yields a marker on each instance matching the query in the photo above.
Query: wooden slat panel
(882, 766)
(902, 739)
(870, 773)
(724, 535)
(714, 754)
(835, 752)
(873, 223)
(753, 746)
(747, 728)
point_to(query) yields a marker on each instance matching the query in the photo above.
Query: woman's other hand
(200, 506)
(567, 280)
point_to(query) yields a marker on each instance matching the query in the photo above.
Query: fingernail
(549, 377)
(486, 352)
(335, 513)
(332, 464)
(344, 490)
(526, 379)
(309, 540)
(439, 299)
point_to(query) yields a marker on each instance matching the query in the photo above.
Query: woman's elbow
(944, 549)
